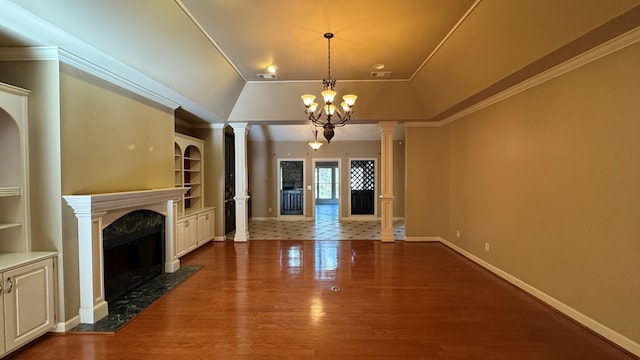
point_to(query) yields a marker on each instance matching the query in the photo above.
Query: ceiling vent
(267, 76)
(380, 74)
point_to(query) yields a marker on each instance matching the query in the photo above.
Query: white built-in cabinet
(195, 224)
(26, 276)
(26, 298)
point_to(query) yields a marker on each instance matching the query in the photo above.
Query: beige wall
(112, 140)
(549, 178)
(262, 159)
(214, 173)
(426, 182)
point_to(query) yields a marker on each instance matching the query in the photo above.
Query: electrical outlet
(458, 234)
(269, 209)
(487, 247)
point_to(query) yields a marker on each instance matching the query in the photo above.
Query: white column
(240, 131)
(386, 196)
(93, 307)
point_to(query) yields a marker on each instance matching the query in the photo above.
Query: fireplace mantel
(94, 212)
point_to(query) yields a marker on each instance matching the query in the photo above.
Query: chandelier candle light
(329, 107)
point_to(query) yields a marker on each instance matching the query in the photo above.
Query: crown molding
(40, 53)
(618, 43)
(78, 54)
(415, 124)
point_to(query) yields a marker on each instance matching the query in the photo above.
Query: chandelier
(315, 144)
(329, 107)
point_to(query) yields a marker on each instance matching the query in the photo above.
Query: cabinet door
(2, 347)
(205, 227)
(28, 303)
(191, 227)
(181, 237)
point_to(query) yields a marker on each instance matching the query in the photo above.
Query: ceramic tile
(325, 227)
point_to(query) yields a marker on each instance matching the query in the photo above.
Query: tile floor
(325, 227)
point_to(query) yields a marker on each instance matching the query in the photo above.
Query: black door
(363, 177)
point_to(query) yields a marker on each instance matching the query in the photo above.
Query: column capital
(240, 127)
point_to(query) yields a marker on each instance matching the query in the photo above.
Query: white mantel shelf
(96, 211)
(96, 203)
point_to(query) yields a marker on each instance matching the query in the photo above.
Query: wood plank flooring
(274, 300)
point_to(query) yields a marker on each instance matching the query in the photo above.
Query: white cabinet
(187, 237)
(26, 298)
(206, 226)
(194, 230)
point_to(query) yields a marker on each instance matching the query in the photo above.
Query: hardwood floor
(274, 300)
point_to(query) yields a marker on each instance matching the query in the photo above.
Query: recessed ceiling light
(272, 69)
(378, 66)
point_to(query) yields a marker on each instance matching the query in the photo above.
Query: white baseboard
(422, 238)
(258, 218)
(63, 327)
(219, 238)
(604, 331)
(360, 218)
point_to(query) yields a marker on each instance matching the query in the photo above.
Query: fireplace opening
(133, 249)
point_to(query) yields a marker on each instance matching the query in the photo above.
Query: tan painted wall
(214, 173)
(549, 178)
(262, 158)
(426, 182)
(112, 140)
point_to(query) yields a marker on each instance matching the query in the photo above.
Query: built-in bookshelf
(189, 172)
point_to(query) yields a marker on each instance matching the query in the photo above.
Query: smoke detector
(380, 74)
(266, 76)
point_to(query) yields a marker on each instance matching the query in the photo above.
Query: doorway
(291, 187)
(327, 190)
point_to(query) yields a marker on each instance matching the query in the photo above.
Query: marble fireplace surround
(95, 212)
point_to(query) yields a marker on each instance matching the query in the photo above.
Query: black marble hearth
(130, 305)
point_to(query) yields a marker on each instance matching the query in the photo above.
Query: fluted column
(240, 131)
(386, 196)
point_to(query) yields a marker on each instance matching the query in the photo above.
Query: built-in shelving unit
(19, 323)
(189, 172)
(195, 224)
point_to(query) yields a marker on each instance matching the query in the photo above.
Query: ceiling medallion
(329, 107)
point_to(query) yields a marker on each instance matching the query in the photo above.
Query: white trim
(422, 239)
(604, 49)
(62, 327)
(574, 314)
(219, 238)
(314, 161)
(444, 40)
(360, 217)
(304, 191)
(37, 53)
(257, 218)
(79, 54)
(423, 124)
(206, 34)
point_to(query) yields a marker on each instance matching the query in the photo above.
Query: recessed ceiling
(204, 55)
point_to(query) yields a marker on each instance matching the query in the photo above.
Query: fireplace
(133, 252)
(151, 229)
